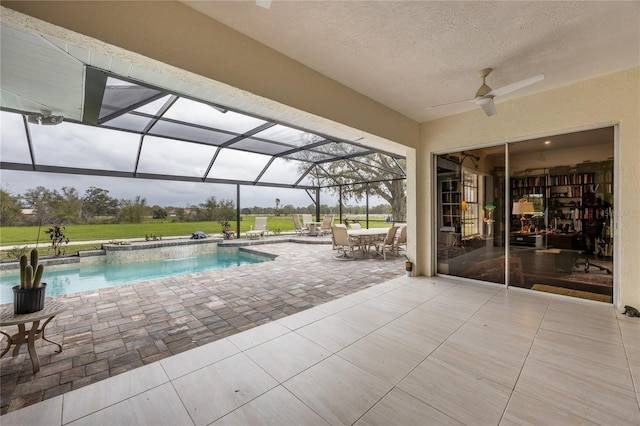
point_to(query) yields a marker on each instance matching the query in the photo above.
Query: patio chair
(342, 241)
(260, 228)
(306, 218)
(326, 224)
(401, 241)
(388, 243)
(355, 225)
(300, 230)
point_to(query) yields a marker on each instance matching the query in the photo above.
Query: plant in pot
(408, 265)
(28, 297)
(226, 229)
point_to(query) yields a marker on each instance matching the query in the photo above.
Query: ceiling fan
(484, 95)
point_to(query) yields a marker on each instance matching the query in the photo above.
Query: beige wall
(612, 99)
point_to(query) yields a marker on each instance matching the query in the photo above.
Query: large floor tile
(45, 413)
(300, 319)
(216, 390)
(158, 406)
(523, 410)
(190, 361)
(255, 336)
(287, 355)
(383, 358)
(570, 390)
(466, 397)
(400, 408)
(334, 333)
(337, 390)
(278, 407)
(86, 400)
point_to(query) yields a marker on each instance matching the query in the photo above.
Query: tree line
(68, 206)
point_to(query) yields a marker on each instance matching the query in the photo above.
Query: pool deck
(109, 331)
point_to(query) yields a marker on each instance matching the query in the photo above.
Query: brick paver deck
(113, 330)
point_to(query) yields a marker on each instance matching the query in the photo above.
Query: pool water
(76, 277)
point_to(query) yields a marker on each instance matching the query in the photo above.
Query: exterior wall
(608, 100)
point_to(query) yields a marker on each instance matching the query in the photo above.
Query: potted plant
(28, 297)
(226, 230)
(408, 265)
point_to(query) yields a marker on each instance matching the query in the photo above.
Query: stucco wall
(608, 100)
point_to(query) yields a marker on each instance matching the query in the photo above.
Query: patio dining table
(366, 236)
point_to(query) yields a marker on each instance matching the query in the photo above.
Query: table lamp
(522, 207)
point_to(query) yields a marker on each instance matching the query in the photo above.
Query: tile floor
(409, 351)
(107, 332)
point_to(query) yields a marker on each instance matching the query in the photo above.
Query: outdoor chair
(306, 218)
(326, 224)
(260, 228)
(388, 244)
(355, 225)
(342, 241)
(401, 241)
(299, 229)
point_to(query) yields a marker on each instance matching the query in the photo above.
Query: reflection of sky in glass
(287, 135)
(198, 113)
(169, 157)
(238, 165)
(13, 144)
(153, 107)
(73, 145)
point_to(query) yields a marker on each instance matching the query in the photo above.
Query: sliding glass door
(536, 214)
(471, 228)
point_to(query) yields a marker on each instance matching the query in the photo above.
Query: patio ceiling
(128, 127)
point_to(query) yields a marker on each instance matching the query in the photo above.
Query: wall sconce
(522, 207)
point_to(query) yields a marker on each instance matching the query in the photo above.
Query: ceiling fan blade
(487, 105)
(515, 86)
(451, 103)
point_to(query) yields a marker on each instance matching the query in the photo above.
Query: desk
(7, 317)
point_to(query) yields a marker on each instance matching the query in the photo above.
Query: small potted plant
(226, 230)
(408, 265)
(28, 297)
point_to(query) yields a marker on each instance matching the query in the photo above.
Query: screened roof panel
(284, 171)
(280, 133)
(119, 95)
(152, 108)
(169, 129)
(75, 145)
(237, 165)
(12, 131)
(189, 111)
(184, 139)
(176, 158)
(135, 123)
(262, 147)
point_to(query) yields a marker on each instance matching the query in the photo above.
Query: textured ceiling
(409, 55)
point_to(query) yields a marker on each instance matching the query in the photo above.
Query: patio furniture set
(385, 240)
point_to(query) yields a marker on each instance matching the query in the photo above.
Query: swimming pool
(77, 277)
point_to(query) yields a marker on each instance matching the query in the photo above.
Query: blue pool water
(75, 277)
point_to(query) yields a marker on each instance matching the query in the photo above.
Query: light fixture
(522, 207)
(45, 119)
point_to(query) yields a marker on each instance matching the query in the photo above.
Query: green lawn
(12, 236)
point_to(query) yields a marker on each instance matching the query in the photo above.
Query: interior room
(559, 234)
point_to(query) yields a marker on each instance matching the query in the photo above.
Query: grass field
(18, 236)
